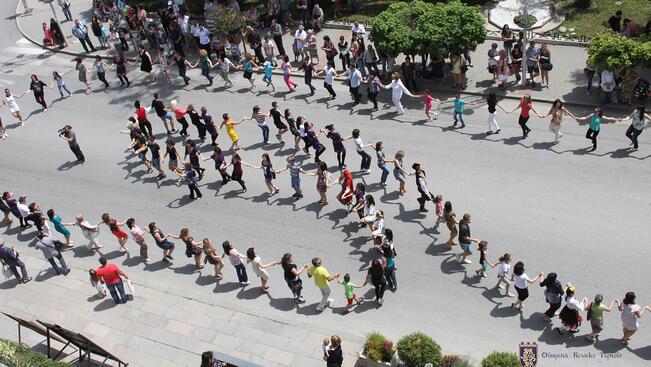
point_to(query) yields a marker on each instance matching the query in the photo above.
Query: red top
(525, 108)
(110, 274)
(179, 112)
(427, 99)
(141, 114)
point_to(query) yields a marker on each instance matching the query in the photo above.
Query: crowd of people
(186, 164)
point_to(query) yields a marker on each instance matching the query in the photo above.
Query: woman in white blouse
(397, 89)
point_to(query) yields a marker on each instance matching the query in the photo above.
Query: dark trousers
(592, 135)
(182, 74)
(124, 79)
(553, 307)
(23, 270)
(40, 99)
(424, 197)
(632, 133)
(77, 151)
(354, 91)
(410, 81)
(390, 274)
(225, 177)
(102, 78)
(239, 180)
(146, 128)
(178, 47)
(84, 41)
(379, 290)
(67, 13)
(318, 153)
(366, 160)
(115, 289)
(328, 87)
(63, 268)
(279, 45)
(341, 158)
(241, 273)
(522, 121)
(184, 124)
(194, 190)
(36, 219)
(201, 129)
(372, 96)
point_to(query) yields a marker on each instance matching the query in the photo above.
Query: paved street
(556, 207)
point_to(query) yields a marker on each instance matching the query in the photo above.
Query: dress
(56, 220)
(115, 229)
(256, 265)
(230, 129)
(397, 89)
(82, 73)
(322, 181)
(13, 105)
(145, 62)
(397, 172)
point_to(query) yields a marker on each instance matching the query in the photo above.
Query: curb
(57, 50)
(330, 26)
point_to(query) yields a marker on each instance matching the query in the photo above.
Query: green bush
(378, 348)
(501, 359)
(453, 360)
(13, 354)
(417, 349)
(613, 51)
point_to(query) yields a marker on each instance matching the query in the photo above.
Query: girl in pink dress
(428, 99)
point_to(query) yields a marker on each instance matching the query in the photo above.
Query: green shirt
(597, 311)
(320, 275)
(595, 123)
(349, 289)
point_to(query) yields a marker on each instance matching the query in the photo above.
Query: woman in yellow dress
(230, 129)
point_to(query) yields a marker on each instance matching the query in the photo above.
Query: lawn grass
(591, 21)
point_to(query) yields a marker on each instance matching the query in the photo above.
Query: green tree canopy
(423, 28)
(613, 51)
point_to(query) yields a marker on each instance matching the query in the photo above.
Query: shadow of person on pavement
(68, 165)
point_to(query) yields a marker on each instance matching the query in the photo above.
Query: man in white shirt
(607, 87)
(355, 79)
(359, 32)
(204, 38)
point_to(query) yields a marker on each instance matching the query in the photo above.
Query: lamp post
(525, 28)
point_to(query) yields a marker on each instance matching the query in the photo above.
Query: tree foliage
(226, 20)
(418, 349)
(424, 28)
(501, 359)
(613, 51)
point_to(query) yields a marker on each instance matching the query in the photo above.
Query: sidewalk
(567, 77)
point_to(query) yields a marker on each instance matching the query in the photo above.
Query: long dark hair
(388, 235)
(518, 268)
(206, 359)
(376, 267)
(642, 111)
(227, 247)
(250, 253)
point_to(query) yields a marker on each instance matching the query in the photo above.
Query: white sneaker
(244, 283)
(466, 261)
(330, 300)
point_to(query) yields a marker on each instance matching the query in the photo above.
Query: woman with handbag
(459, 69)
(212, 257)
(375, 276)
(192, 249)
(292, 276)
(344, 53)
(545, 64)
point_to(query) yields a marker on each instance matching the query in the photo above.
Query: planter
(363, 361)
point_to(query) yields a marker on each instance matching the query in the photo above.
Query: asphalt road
(555, 207)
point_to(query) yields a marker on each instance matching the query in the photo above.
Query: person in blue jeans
(260, 119)
(236, 260)
(295, 170)
(458, 110)
(112, 276)
(382, 162)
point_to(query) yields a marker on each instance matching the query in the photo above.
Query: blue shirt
(458, 105)
(268, 69)
(190, 177)
(595, 123)
(248, 66)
